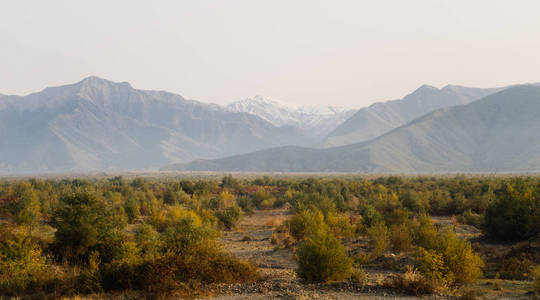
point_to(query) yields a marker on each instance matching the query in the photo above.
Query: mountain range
(97, 124)
(381, 117)
(498, 133)
(315, 121)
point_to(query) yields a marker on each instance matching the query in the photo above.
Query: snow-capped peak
(314, 120)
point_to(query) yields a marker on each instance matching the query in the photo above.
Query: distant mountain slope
(381, 117)
(499, 133)
(314, 121)
(98, 124)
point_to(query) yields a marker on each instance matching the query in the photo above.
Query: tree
(84, 223)
(28, 210)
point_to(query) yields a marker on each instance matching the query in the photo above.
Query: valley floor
(252, 241)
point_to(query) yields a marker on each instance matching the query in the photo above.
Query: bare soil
(252, 241)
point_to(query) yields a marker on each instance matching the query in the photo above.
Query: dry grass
(274, 221)
(413, 283)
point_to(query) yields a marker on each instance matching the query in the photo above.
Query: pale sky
(348, 53)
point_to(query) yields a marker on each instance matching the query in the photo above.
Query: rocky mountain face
(382, 117)
(97, 124)
(499, 133)
(315, 121)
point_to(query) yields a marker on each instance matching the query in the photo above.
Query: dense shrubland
(157, 235)
(91, 236)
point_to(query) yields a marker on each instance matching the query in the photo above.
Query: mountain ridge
(98, 124)
(381, 117)
(499, 133)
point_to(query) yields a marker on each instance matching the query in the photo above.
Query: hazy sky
(348, 53)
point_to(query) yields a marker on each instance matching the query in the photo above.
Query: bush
(514, 268)
(431, 264)
(230, 217)
(188, 234)
(84, 224)
(515, 215)
(322, 258)
(132, 209)
(415, 202)
(452, 261)
(340, 225)
(170, 271)
(470, 218)
(21, 262)
(246, 204)
(413, 283)
(535, 275)
(426, 234)
(305, 223)
(370, 215)
(401, 238)
(147, 239)
(463, 263)
(28, 210)
(380, 239)
(359, 276)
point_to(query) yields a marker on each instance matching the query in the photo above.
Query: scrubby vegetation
(322, 258)
(536, 279)
(158, 235)
(72, 237)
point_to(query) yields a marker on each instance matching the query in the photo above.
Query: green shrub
(230, 217)
(370, 215)
(322, 258)
(340, 225)
(426, 234)
(463, 263)
(535, 275)
(380, 239)
(470, 218)
(401, 238)
(267, 203)
(515, 215)
(169, 272)
(147, 239)
(132, 209)
(452, 261)
(397, 217)
(305, 223)
(186, 233)
(27, 207)
(262, 198)
(246, 204)
(415, 202)
(514, 268)
(84, 223)
(21, 264)
(431, 264)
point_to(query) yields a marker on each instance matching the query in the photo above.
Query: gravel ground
(277, 268)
